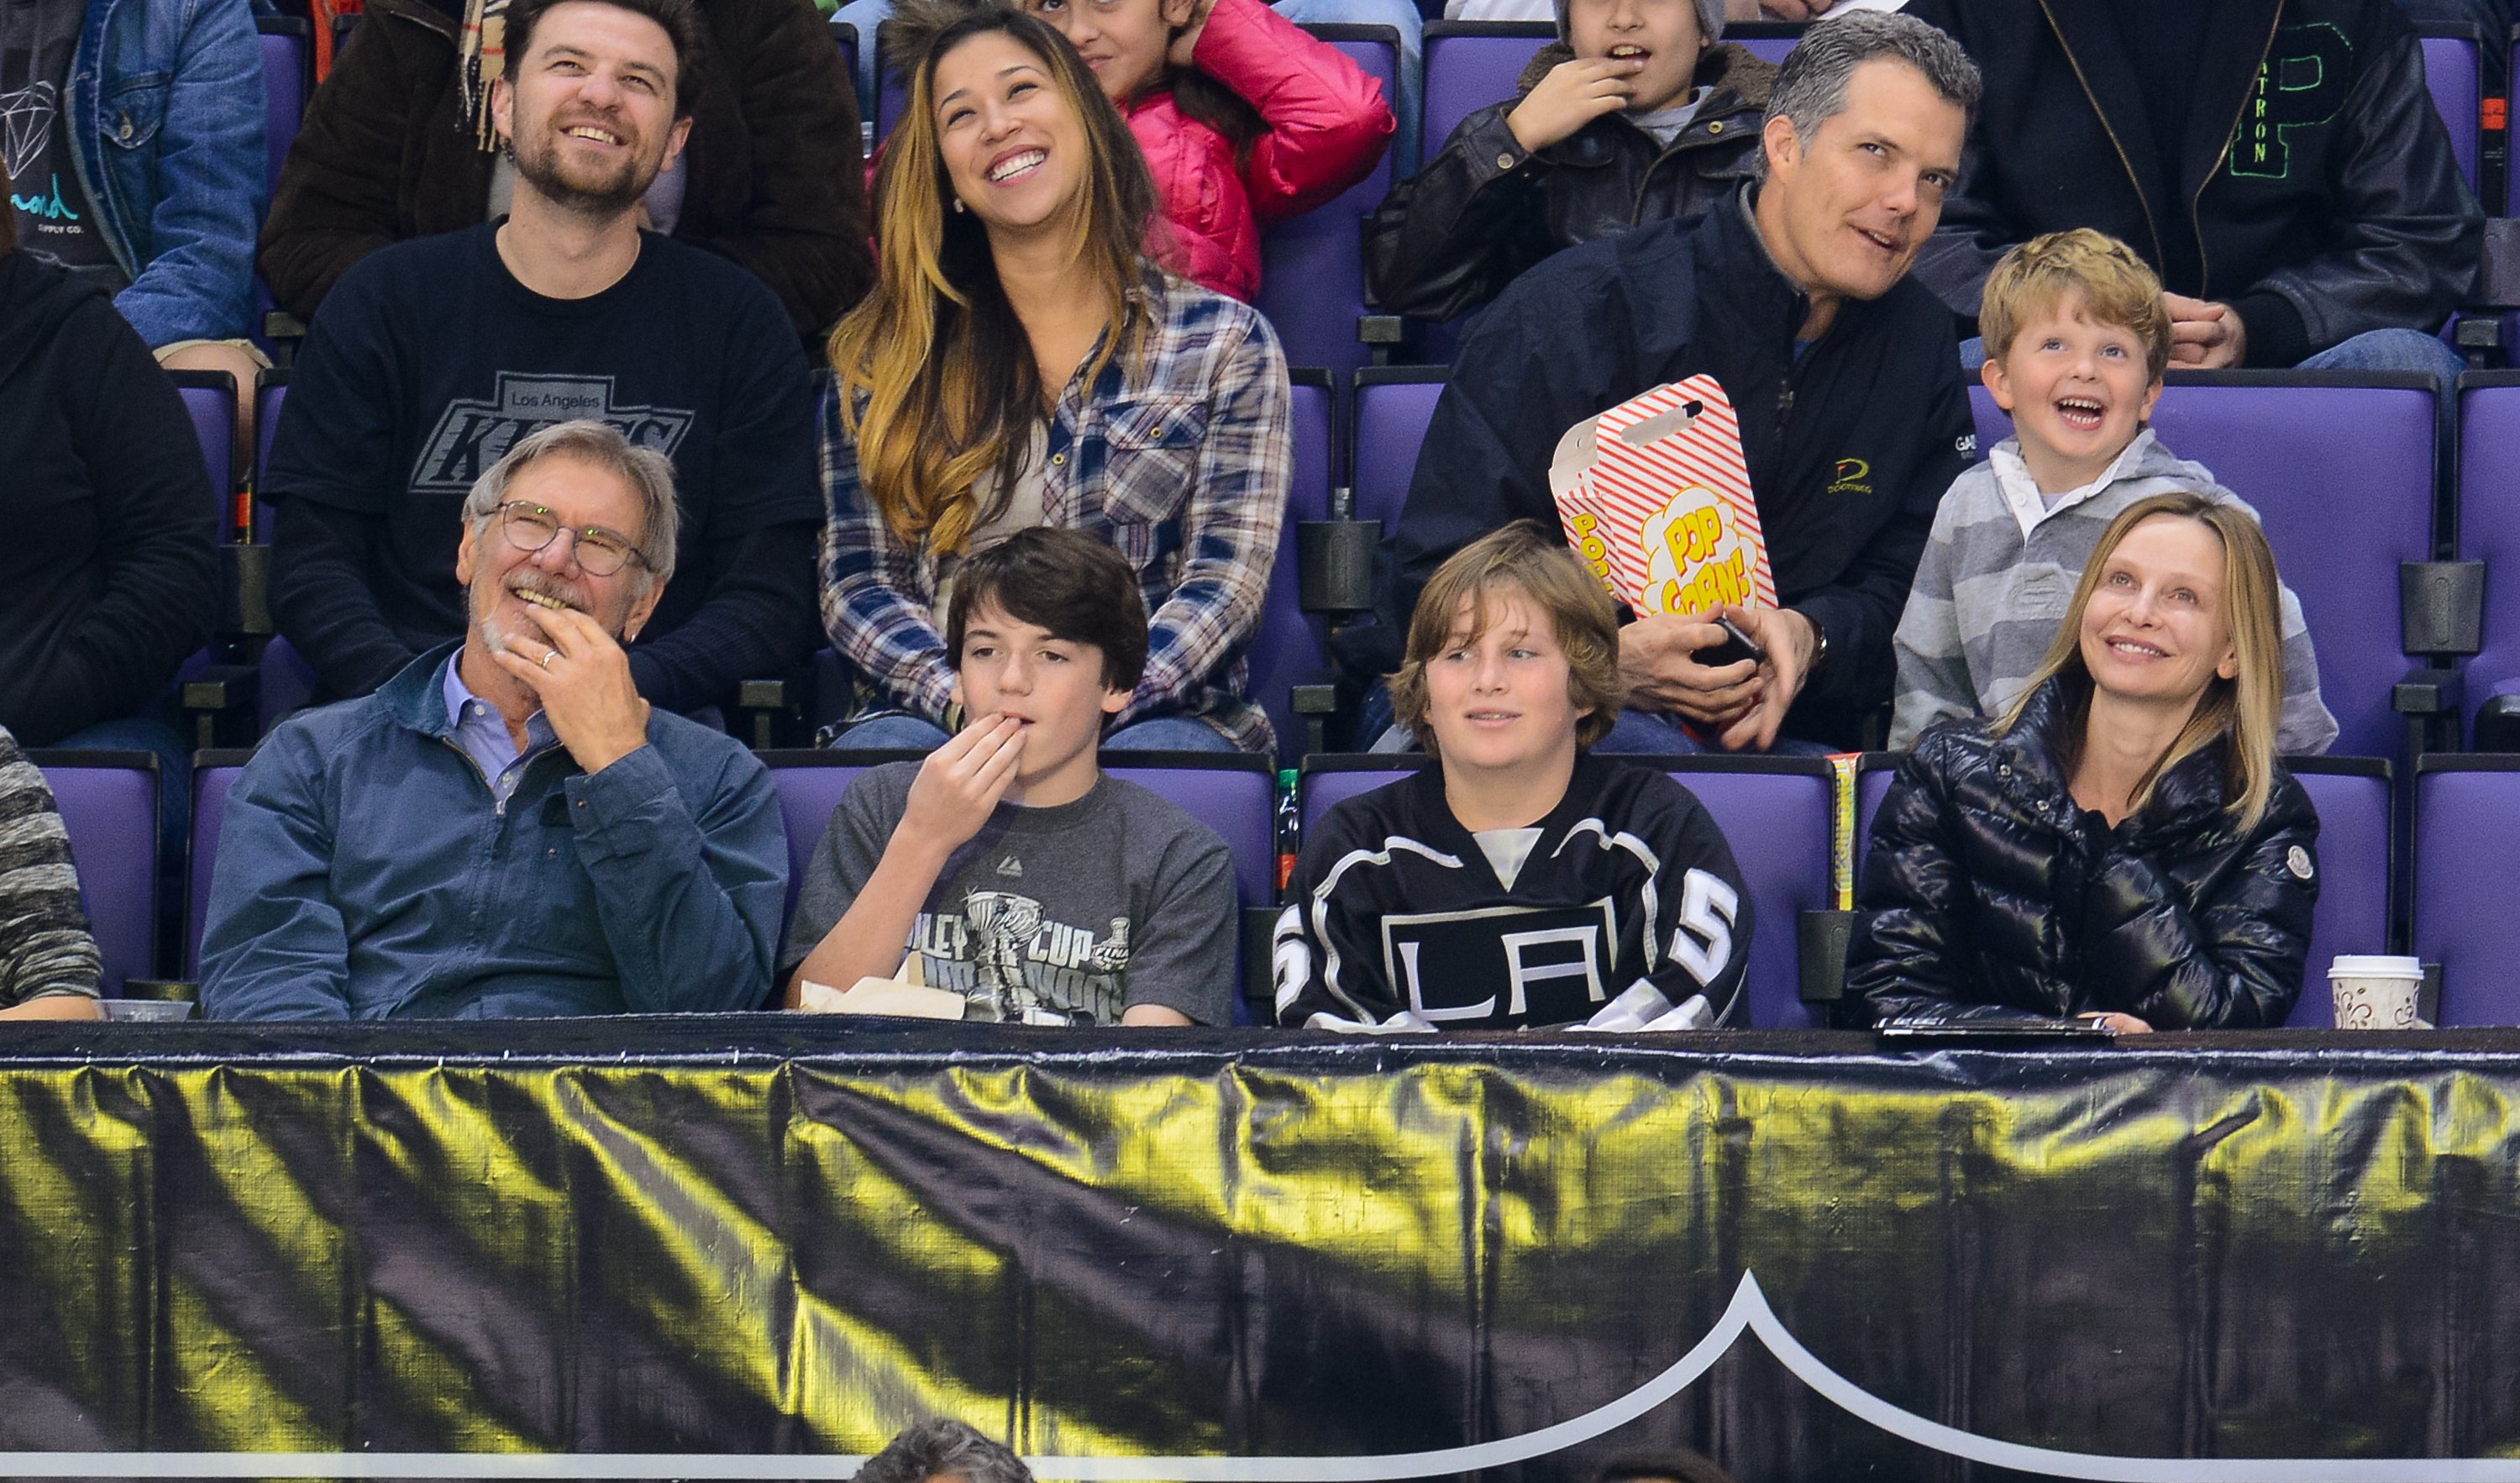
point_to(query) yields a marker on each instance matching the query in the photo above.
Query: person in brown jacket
(397, 144)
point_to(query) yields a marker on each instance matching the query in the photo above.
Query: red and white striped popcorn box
(1655, 494)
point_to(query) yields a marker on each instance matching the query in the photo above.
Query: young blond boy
(1519, 881)
(2076, 343)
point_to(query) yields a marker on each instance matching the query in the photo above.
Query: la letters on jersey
(473, 433)
(1551, 961)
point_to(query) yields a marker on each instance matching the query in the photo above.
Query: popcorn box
(1655, 494)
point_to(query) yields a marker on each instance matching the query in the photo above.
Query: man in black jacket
(2277, 162)
(1843, 377)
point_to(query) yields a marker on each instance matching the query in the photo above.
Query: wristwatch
(1819, 646)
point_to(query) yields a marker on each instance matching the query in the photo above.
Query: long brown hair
(946, 374)
(2245, 710)
(1524, 558)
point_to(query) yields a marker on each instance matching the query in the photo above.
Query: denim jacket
(366, 871)
(167, 101)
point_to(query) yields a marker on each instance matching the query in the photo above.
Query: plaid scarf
(485, 48)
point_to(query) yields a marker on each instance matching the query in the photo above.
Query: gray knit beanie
(1710, 21)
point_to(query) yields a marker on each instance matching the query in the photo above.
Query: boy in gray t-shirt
(1040, 890)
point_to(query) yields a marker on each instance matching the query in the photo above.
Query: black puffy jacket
(1990, 893)
(1483, 210)
(2315, 191)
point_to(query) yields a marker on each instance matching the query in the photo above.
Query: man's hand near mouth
(582, 677)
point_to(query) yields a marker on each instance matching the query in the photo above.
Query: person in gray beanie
(1638, 113)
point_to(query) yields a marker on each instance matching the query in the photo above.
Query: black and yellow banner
(781, 1236)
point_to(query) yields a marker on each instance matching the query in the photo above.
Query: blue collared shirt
(484, 733)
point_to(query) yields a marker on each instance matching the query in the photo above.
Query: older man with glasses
(506, 827)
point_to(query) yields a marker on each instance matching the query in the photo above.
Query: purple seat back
(2467, 814)
(1234, 795)
(1768, 41)
(1775, 811)
(809, 784)
(270, 396)
(1873, 773)
(2352, 795)
(287, 685)
(1312, 274)
(2489, 519)
(209, 396)
(1393, 405)
(287, 72)
(845, 37)
(213, 773)
(1471, 64)
(1289, 647)
(109, 807)
(2454, 74)
(2340, 468)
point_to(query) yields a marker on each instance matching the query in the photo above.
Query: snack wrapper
(1655, 494)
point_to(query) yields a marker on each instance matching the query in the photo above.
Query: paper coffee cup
(2376, 991)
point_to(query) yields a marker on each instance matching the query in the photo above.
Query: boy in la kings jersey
(1520, 881)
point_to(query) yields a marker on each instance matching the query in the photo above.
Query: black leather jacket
(1990, 893)
(1482, 210)
(2315, 189)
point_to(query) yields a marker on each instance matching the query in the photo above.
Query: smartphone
(1736, 647)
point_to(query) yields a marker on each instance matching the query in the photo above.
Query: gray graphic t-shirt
(1048, 915)
(38, 39)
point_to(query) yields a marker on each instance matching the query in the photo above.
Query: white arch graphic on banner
(1748, 1312)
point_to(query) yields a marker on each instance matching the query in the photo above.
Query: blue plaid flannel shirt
(1180, 458)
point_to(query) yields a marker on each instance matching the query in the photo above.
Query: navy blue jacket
(1850, 447)
(366, 873)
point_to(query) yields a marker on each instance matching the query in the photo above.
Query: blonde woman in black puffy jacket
(2122, 845)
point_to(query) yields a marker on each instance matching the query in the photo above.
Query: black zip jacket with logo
(1484, 210)
(2316, 189)
(1850, 447)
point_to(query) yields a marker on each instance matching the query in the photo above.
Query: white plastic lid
(2375, 965)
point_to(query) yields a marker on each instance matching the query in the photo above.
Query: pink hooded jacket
(1329, 126)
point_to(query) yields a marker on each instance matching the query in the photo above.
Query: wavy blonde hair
(2245, 710)
(1521, 558)
(2117, 288)
(936, 379)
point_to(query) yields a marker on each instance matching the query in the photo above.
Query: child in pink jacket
(1245, 120)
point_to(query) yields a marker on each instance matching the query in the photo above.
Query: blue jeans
(2387, 350)
(1156, 733)
(1400, 15)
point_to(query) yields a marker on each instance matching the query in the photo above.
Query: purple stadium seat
(846, 37)
(288, 76)
(1393, 404)
(108, 805)
(810, 785)
(2352, 795)
(1773, 810)
(213, 773)
(270, 395)
(2454, 74)
(2340, 466)
(287, 685)
(2489, 522)
(1768, 41)
(1312, 276)
(1471, 64)
(1288, 649)
(2467, 814)
(210, 397)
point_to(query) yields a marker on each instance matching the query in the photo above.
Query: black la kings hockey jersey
(1397, 919)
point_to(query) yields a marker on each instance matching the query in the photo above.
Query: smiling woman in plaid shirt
(1023, 362)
